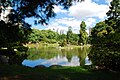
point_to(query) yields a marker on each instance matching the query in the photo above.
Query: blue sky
(90, 11)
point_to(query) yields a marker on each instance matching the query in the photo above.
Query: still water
(57, 56)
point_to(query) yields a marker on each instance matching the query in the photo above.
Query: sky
(90, 11)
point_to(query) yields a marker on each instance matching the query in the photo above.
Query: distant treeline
(50, 36)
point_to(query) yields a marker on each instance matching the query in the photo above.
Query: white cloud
(68, 21)
(64, 23)
(58, 9)
(56, 27)
(90, 21)
(88, 9)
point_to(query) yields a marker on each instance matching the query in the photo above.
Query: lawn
(15, 72)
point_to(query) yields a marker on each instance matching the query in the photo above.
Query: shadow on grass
(15, 72)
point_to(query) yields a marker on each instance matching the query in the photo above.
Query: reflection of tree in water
(42, 53)
(83, 52)
(66, 54)
(80, 52)
(69, 53)
(49, 53)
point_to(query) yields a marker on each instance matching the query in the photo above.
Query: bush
(63, 43)
(105, 57)
(105, 52)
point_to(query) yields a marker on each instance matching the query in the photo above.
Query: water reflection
(52, 56)
(87, 62)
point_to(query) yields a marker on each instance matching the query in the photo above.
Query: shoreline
(55, 45)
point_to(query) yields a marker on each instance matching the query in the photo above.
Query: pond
(57, 56)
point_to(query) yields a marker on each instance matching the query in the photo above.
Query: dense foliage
(105, 41)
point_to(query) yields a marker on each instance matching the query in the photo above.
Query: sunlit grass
(42, 45)
(54, 45)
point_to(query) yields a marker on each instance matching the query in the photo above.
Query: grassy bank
(74, 46)
(15, 72)
(42, 45)
(55, 45)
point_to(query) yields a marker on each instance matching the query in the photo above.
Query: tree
(12, 37)
(75, 39)
(63, 43)
(43, 36)
(99, 32)
(83, 34)
(105, 52)
(69, 34)
(62, 36)
(51, 36)
(34, 36)
(114, 15)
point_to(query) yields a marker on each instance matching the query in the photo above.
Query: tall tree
(83, 34)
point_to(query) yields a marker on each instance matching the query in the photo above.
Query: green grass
(42, 45)
(74, 46)
(15, 72)
(45, 45)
